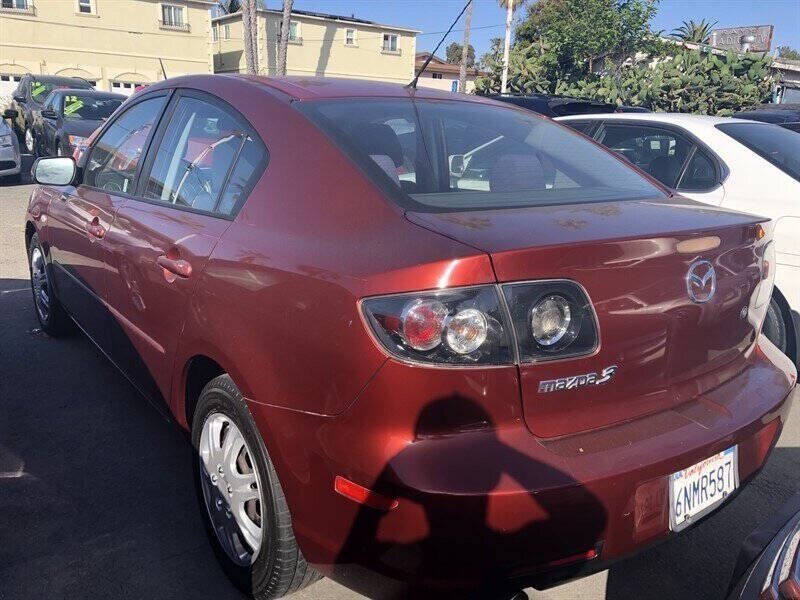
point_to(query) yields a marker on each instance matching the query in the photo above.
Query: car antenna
(163, 70)
(413, 83)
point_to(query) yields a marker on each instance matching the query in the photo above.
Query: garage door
(124, 87)
(8, 83)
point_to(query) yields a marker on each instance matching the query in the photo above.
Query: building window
(294, 31)
(350, 37)
(454, 86)
(172, 17)
(436, 75)
(227, 32)
(21, 5)
(389, 42)
(214, 32)
(85, 6)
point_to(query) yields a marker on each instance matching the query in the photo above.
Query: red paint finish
(491, 479)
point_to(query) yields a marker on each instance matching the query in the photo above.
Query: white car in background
(742, 165)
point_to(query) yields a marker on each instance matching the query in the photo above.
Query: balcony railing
(174, 26)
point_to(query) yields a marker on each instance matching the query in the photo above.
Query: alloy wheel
(231, 489)
(41, 284)
(29, 141)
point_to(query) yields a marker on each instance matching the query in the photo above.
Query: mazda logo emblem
(701, 281)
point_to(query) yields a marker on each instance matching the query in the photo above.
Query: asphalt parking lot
(96, 498)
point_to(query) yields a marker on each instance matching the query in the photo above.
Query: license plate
(699, 489)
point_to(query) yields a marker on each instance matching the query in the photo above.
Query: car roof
(58, 79)
(686, 120)
(315, 88)
(90, 93)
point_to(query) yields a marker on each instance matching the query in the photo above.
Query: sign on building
(752, 38)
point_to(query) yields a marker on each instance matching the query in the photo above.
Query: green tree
(697, 33)
(788, 53)
(453, 54)
(579, 33)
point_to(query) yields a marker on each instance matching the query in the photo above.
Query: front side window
(438, 156)
(115, 157)
(195, 155)
(389, 42)
(776, 144)
(172, 16)
(660, 152)
(78, 107)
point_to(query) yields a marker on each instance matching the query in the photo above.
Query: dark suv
(29, 98)
(562, 106)
(785, 115)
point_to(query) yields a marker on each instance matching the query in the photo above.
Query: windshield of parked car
(41, 89)
(440, 155)
(778, 145)
(79, 107)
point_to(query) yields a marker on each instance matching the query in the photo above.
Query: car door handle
(95, 229)
(177, 266)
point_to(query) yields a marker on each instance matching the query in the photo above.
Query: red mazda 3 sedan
(424, 343)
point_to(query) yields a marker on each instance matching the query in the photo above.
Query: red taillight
(423, 323)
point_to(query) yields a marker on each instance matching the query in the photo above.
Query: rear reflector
(362, 495)
(568, 560)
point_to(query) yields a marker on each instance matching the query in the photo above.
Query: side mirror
(18, 98)
(10, 113)
(54, 171)
(457, 165)
(49, 113)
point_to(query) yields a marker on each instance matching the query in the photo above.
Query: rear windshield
(434, 156)
(778, 145)
(91, 108)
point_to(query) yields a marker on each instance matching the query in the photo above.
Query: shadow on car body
(97, 501)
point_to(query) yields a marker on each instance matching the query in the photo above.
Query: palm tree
(462, 74)
(509, 5)
(696, 33)
(250, 34)
(285, 21)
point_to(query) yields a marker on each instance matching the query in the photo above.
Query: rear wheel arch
(30, 230)
(791, 330)
(199, 370)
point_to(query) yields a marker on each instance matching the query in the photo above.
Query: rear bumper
(481, 501)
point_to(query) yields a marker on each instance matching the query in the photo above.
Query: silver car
(10, 159)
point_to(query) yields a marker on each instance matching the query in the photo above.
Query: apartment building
(115, 44)
(319, 44)
(442, 75)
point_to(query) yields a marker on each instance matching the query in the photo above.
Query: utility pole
(509, 15)
(462, 74)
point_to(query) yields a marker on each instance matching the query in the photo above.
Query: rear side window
(660, 152)
(115, 157)
(585, 127)
(778, 145)
(432, 155)
(700, 173)
(196, 157)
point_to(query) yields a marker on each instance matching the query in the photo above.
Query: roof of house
(437, 65)
(323, 17)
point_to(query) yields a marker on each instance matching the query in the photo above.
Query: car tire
(30, 142)
(779, 327)
(277, 567)
(52, 317)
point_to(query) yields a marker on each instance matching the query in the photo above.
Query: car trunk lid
(632, 258)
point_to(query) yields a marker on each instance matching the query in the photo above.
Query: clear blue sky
(488, 18)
